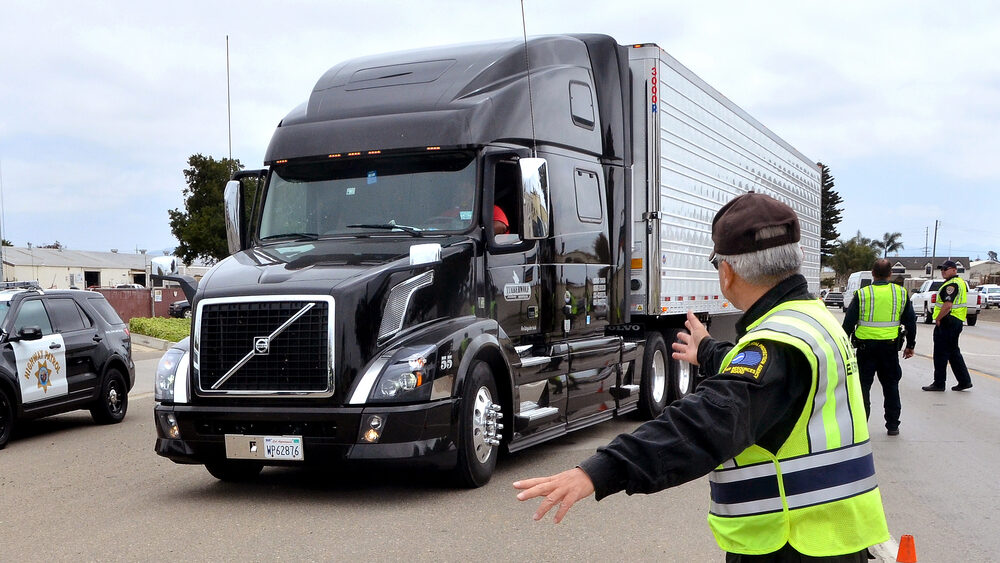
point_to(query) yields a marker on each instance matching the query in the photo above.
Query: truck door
(515, 286)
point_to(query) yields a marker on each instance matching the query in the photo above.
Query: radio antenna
(527, 68)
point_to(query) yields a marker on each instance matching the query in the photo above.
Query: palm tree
(890, 243)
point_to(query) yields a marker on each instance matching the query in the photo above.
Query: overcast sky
(102, 103)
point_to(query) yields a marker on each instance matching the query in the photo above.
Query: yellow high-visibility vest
(818, 493)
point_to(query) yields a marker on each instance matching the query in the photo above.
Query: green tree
(855, 255)
(201, 227)
(890, 243)
(829, 215)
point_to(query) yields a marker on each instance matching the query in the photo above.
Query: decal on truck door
(41, 368)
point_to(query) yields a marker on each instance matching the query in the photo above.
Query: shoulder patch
(748, 361)
(950, 289)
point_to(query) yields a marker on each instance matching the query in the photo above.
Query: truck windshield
(401, 195)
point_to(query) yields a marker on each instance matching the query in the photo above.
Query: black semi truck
(465, 248)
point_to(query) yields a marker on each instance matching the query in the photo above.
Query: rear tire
(653, 381)
(971, 319)
(928, 317)
(478, 428)
(6, 417)
(234, 471)
(112, 404)
(683, 376)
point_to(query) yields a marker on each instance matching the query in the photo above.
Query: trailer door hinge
(650, 215)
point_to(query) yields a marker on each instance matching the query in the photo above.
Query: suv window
(105, 309)
(32, 313)
(66, 315)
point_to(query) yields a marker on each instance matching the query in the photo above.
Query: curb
(150, 342)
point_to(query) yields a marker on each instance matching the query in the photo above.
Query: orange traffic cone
(907, 551)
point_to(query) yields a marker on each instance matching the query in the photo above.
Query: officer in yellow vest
(949, 316)
(779, 426)
(874, 317)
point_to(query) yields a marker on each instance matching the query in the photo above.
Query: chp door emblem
(43, 366)
(261, 345)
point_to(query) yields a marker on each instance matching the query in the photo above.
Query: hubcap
(659, 376)
(114, 401)
(485, 425)
(683, 376)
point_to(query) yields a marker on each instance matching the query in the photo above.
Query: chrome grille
(297, 358)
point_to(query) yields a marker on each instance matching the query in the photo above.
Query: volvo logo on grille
(261, 345)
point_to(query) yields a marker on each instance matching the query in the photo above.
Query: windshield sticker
(351, 191)
(465, 215)
(295, 249)
(371, 177)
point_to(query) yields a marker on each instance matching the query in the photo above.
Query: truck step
(534, 415)
(624, 391)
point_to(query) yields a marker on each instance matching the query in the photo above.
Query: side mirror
(535, 198)
(164, 266)
(29, 333)
(235, 230)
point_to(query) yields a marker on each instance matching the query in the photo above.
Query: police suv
(61, 351)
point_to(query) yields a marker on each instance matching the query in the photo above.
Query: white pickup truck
(926, 297)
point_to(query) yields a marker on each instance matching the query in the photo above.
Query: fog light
(375, 422)
(371, 436)
(169, 424)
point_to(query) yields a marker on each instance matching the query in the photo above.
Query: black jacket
(726, 414)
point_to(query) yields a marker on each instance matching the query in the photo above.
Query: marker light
(282, 161)
(358, 153)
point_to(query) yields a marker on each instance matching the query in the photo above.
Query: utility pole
(926, 232)
(934, 253)
(229, 104)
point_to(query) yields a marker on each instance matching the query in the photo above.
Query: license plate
(282, 447)
(240, 446)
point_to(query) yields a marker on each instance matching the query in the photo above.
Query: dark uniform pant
(788, 554)
(946, 352)
(881, 357)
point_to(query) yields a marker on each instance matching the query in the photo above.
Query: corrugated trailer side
(694, 151)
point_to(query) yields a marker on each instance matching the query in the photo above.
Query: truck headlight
(408, 377)
(166, 374)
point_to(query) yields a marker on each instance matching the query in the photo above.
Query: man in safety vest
(949, 316)
(779, 426)
(874, 317)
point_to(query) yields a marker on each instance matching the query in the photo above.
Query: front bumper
(423, 433)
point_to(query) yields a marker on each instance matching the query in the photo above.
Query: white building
(62, 269)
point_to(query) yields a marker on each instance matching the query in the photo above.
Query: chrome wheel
(683, 378)
(114, 401)
(485, 424)
(659, 376)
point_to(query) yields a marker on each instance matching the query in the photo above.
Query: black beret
(753, 222)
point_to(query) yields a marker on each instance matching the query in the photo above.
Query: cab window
(66, 315)
(32, 313)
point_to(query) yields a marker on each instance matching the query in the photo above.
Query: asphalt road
(71, 490)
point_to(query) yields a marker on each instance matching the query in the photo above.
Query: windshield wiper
(390, 226)
(296, 236)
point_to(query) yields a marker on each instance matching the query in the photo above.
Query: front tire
(6, 417)
(653, 382)
(234, 471)
(479, 428)
(112, 404)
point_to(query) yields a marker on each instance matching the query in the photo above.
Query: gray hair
(766, 267)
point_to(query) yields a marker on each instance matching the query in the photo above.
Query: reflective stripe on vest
(881, 307)
(817, 429)
(808, 480)
(959, 306)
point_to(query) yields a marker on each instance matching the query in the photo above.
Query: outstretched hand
(686, 347)
(562, 490)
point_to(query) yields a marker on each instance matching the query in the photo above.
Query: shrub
(159, 327)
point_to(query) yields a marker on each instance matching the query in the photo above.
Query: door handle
(55, 346)
(97, 338)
